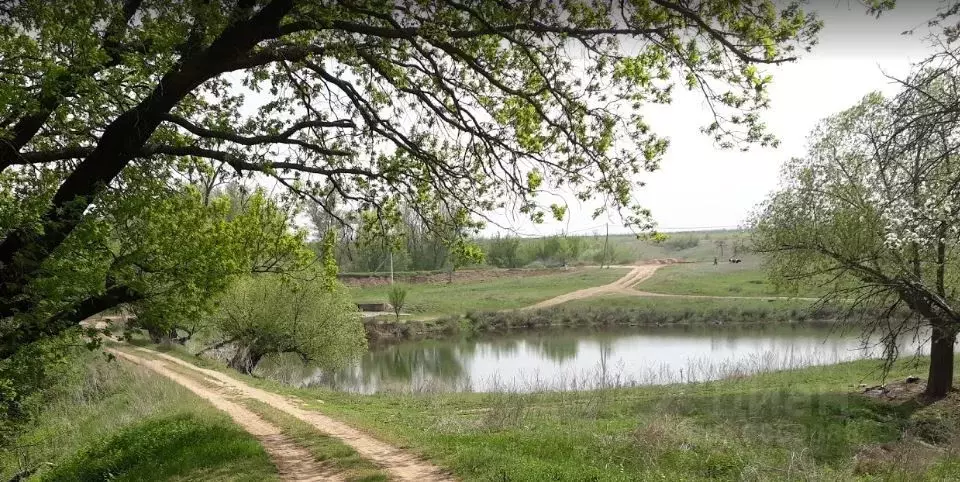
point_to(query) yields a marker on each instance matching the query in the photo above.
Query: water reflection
(579, 359)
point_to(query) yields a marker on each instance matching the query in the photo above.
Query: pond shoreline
(389, 331)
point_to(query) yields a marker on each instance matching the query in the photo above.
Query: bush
(397, 295)
(679, 243)
(504, 252)
(31, 374)
(271, 314)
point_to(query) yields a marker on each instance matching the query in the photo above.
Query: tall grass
(120, 422)
(791, 425)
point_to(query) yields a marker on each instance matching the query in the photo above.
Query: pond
(576, 359)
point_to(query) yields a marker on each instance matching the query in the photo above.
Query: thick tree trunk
(159, 336)
(23, 250)
(940, 377)
(32, 331)
(245, 360)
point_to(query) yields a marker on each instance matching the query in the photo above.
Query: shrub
(504, 252)
(397, 296)
(679, 243)
(272, 314)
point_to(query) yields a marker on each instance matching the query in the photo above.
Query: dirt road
(622, 285)
(626, 284)
(399, 464)
(294, 463)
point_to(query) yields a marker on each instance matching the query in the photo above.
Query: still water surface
(581, 359)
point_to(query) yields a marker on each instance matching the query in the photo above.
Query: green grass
(325, 449)
(801, 424)
(498, 294)
(120, 422)
(806, 424)
(724, 279)
(790, 309)
(626, 310)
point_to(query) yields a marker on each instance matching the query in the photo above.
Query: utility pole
(606, 241)
(391, 264)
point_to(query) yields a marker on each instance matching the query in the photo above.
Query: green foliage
(607, 254)
(504, 252)
(328, 261)
(397, 296)
(110, 108)
(200, 249)
(869, 212)
(273, 314)
(681, 242)
(32, 371)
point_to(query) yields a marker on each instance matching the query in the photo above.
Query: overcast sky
(700, 186)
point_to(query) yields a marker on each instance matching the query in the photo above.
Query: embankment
(605, 312)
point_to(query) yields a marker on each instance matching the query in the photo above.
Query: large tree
(872, 213)
(449, 104)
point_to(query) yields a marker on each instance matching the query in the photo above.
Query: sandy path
(294, 463)
(637, 274)
(622, 285)
(401, 465)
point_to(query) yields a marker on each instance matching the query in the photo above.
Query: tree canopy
(311, 316)
(449, 105)
(872, 212)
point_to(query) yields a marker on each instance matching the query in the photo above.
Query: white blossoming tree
(872, 213)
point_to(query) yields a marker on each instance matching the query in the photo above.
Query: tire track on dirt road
(293, 462)
(401, 465)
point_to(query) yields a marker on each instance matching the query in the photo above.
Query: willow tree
(872, 213)
(447, 104)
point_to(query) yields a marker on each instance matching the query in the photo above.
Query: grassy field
(691, 246)
(806, 424)
(119, 422)
(433, 299)
(724, 279)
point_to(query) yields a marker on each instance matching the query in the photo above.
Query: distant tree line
(365, 244)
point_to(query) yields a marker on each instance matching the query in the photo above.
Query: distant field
(691, 246)
(491, 295)
(724, 279)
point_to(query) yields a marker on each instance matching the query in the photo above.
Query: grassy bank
(437, 299)
(116, 421)
(607, 311)
(808, 424)
(803, 425)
